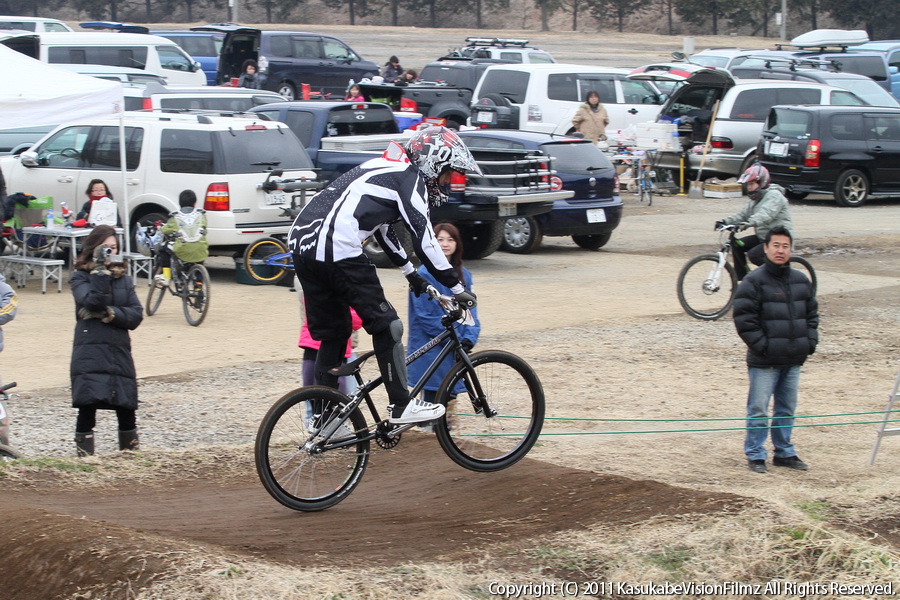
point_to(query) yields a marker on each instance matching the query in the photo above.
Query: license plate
(507, 210)
(596, 215)
(779, 149)
(276, 197)
(484, 117)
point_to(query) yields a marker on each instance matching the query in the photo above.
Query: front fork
(714, 279)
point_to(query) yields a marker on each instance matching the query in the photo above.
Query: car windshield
(576, 157)
(868, 90)
(709, 60)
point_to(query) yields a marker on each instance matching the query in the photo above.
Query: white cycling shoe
(415, 412)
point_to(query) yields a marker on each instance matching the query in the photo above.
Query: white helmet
(436, 150)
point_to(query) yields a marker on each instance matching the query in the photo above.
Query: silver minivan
(735, 110)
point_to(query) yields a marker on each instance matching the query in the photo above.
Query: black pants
(329, 290)
(87, 419)
(749, 247)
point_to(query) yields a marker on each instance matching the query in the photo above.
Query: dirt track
(607, 337)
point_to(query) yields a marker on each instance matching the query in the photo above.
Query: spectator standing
(425, 316)
(391, 70)
(777, 316)
(249, 77)
(102, 368)
(591, 118)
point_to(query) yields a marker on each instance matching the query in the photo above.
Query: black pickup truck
(444, 90)
(341, 135)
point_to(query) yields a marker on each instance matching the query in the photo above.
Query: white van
(545, 97)
(147, 52)
(36, 24)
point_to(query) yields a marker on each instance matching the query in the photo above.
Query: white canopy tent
(36, 93)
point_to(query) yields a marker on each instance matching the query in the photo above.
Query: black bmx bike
(707, 283)
(310, 462)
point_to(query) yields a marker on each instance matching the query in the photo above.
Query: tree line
(697, 17)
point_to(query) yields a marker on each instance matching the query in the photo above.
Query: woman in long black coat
(102, 368)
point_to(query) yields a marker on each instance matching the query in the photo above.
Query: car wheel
(592, 242)
(379, 257)
(748, 162)
(480, 240)
(143, 221)
(287, 90)
(796, 195)
(521, 235)
(851, 189)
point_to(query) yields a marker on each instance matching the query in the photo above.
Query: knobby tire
(255, 260)
(300, 479)
(512, 389)
(195, 295)
(156, 293)
(702, 303)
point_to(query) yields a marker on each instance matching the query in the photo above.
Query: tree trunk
(545, 22)
(394, 19)
(113, 13)
(352, 8)
(670, 17)
(433, 14)
(478, 23)
(574, 15)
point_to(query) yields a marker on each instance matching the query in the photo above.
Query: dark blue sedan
(590, 216)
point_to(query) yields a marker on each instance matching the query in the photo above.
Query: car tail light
(556, 183)
(358, 107)
(534, 113)
(723, 143)
(457, 182)
(255, 127)
(146, 104)
(407, 105)
(262, 64)
(217, 197)
(545, 178)
(811, 159)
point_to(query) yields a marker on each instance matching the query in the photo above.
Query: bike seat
(352, 367)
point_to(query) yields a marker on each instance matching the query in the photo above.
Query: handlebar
(8, 386)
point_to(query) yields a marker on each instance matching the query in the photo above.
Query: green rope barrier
(852, 414)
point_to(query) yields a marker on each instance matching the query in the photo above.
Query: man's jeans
(782, 383)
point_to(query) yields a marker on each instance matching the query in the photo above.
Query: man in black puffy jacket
(777, 316)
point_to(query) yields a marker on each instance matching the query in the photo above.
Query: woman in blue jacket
(425, 316)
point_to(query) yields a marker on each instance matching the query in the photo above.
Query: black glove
(719, 225)
(467, 345)
(743, 226)
(417, 283)
(466, 299)
(85, 313)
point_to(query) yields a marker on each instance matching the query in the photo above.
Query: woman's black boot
(84, 443)
(128, 440)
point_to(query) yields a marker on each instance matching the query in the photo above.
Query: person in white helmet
(767, 208)
(335, 273)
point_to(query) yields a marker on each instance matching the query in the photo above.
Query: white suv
(224, 160)
(517, 51)
(544, 98)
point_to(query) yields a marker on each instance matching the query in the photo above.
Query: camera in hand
(108, 255)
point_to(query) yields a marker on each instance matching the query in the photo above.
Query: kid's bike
(707, 283)
(313, 445)
(190, 282)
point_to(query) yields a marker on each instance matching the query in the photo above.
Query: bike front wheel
(801, 264)
(705, 293)
(515, 408)
(156, 293)
(301, 470)
(267, 260)
(195, 294)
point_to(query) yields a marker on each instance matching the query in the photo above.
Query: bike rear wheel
(294, 467)
(804, 266)
(513, 392)
(699, 296)
(156, 293)
(257, 263)
(195, 294)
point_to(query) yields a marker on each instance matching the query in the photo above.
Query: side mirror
(29, 159)
(679, 56)
(196, 66)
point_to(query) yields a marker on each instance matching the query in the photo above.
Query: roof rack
(793, 63)
(502, 42)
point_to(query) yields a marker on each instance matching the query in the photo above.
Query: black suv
(852, 152)
(289, 59)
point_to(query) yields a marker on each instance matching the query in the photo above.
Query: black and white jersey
(365, 201)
